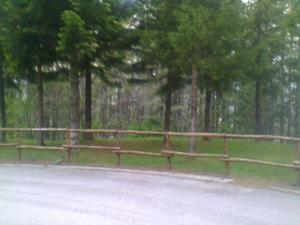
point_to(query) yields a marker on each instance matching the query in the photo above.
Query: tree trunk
(128, 108)
(289, 111)
(88, 104)
(119, 109)
(207, 110)
(74, 105)
(40, 102)
(54, 125)
(297, 107)
(200, 112)
(282, 118)
(168, 105)
(217, 109)
(193, 107)
(103, 108)
(137, 106)
(2, 109)
(110, 111)
(257, 107)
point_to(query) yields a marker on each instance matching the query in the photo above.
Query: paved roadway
(37, 195)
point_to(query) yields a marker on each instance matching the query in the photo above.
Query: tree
(29, 40)
(290, 60)
(263, 39)
(75, 44)
(2, 95)
(157, 22)
(205, 41)
(104, 20)
(2, 84)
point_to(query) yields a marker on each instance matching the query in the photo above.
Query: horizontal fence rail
(167, 152)
(155, 133)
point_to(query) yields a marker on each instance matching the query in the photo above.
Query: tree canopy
(183, 65)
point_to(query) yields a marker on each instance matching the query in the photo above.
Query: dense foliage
(181, 65)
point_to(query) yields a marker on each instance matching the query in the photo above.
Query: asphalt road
(31, 195)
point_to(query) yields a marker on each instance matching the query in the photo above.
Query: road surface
(37, 195)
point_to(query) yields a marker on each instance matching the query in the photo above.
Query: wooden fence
(167, 152)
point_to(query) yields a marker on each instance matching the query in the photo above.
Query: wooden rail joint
(297, 163)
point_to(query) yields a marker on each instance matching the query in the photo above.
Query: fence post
(298, 160)
(118, 139)
(19, 154)
(169, 162)
(118, 159)
(167, 141)
(18, 144)
(19, 137)
(68, 135)
(69, 154)
(226, 152)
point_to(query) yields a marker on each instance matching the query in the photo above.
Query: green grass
(275, 152)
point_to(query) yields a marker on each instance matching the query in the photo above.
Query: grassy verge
(269, 151)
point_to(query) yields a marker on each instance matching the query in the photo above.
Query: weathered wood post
(67, 137)
(69, 154)
(167, 141)
(18, 144)
(226, 161)
(169, 162)
(118, 159)
(119, 145)
(118, 138)
(19, 137)
(68, 142)
(19, 153)
(297, 163)
(167, 146)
